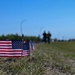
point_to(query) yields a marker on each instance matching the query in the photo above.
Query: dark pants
(44, 40)
(48, 40)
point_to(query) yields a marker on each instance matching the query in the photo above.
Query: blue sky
(56, 16)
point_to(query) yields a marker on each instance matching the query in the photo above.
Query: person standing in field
(49, 37)
(44, 36)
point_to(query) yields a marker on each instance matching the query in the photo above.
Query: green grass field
(57, 58)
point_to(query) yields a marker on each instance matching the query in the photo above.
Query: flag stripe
(2, 47)
(10, 51)
(5, 42)
(6, 55)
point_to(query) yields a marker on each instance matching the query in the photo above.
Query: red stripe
(5, 42)
(11, 56)
(5, 48)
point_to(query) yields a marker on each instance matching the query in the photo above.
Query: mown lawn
(67, 47)
(57, 58)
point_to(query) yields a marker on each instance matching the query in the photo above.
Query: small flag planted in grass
(32, 46)
(26, 49)
(15, 48)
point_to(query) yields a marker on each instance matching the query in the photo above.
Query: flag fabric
(14, 48)
(26, 48)
(32, 46)
(17, 44)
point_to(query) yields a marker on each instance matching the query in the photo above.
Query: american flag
(14, 48)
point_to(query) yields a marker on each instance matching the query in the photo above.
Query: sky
(32, 17)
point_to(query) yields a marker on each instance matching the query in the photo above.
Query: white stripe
(5, 44)
(10, 52)
(5, 47)
(5, 41)
(10, 55)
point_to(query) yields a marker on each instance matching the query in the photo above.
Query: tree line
(19, 37)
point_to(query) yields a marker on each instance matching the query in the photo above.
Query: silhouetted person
(44, 36)
(49, 37)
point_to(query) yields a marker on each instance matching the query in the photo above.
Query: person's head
(44, 31)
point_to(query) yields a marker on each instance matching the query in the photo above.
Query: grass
(57, 58)
(67, 47)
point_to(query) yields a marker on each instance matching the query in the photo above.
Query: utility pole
(21, 27)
